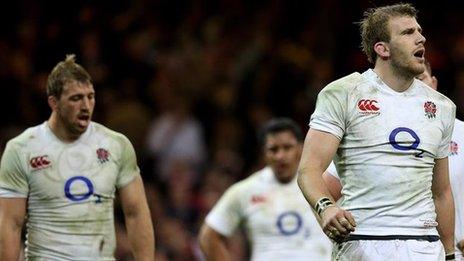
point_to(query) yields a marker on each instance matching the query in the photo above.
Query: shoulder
(104, 132)
(249, 184)
(32, 134)
(437, 96)
(344, 85)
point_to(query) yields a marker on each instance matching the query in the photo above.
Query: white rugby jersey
(70, 189)
(332, 170)
(277, 219)
(456, 170)
(388, 143)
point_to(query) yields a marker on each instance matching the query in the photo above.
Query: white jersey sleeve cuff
(326, 127)
(7, 193)
(219, 225)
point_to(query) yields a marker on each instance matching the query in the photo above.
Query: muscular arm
(319, 149)
(213, 244)
(12, 214)
(444, 203)
(138, 220)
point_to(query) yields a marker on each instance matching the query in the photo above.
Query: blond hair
(63, 72)
(374, 26)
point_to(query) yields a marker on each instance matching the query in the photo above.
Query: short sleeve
(12, 175)
(444, 148)
(226, 215)
(128, 169)
(329, 115)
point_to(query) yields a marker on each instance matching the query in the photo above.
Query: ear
(382, 50)
(53, 102)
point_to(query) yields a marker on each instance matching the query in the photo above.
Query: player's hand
(461, 245)
(337, 223)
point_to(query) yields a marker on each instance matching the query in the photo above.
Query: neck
(59, 130)
(394, 79)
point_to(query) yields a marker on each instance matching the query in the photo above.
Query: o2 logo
(289, 223)
(80, 197)
(413, 146)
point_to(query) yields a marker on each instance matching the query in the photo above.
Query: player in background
(456, 170)
(63, 174)
(277, 220)
(389, 136)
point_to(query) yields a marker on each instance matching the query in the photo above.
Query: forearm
(319, 149)
(213, 245)
(216, 251)
(444, 206)
(10, 242)
(141, 235)
(12, 213)
(312, 185)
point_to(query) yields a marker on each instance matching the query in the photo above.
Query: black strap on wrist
(322, 204)
(450, 257)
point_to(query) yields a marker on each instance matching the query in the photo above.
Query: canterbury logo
(40, 162)
(368, 105)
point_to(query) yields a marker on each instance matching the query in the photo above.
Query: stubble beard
(407, 69)
(71, 127)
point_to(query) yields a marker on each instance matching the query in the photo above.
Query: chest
(72, 172)
(406, 122)
(278, 212)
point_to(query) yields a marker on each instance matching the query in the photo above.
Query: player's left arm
(444, 203)
(333, 185)
(138, 220)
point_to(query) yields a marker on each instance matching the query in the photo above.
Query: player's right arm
(213, 244)
(319, 149)
(327, 127)
(12, 215)
(221, 223)
(13, 200)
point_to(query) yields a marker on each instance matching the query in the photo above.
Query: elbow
(203, 239)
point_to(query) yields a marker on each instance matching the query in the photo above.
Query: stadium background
(189, 82)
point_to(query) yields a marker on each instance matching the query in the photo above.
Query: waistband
(429, 238)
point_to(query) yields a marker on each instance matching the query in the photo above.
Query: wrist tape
(322, 204)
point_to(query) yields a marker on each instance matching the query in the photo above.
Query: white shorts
(379, 250)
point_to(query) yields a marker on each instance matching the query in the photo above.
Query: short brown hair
(374, 26)
(63, 72)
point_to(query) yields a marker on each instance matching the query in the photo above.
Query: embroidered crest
(430, 109)
(103, 155)
(454, 148)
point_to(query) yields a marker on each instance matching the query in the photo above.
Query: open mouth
(84, 117)
(83, 120)
(419, 53)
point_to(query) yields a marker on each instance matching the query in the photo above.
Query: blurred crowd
(190, 82)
